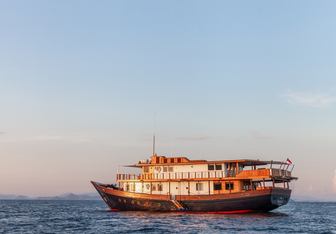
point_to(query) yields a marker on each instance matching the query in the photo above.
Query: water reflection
(154, 215)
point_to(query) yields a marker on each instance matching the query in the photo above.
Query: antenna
(154, 127)
(153, 144)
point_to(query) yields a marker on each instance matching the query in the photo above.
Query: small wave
(92, 217)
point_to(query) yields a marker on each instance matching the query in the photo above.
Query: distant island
(66, 196)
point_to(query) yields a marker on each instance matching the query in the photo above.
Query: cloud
(197, 138)
(315, 100)
(74, 139)
(1, 133)
(49, 138)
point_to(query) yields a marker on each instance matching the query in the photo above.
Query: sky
(84, 84)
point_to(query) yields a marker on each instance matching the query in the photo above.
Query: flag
(288, 161)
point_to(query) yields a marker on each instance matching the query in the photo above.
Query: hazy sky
(83, 84)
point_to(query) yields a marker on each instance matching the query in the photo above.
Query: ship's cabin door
(230, 169)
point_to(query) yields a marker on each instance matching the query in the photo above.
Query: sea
(89, 216)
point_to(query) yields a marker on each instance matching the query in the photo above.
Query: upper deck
(161, 168)
(166, 161)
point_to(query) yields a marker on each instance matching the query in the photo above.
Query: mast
(153, 144)
(154, 127)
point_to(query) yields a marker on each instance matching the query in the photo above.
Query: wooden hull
(242, 202)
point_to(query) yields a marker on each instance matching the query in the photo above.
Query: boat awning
(243, 162)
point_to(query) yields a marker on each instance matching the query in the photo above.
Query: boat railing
(177, 175)
(264, 172)
(128, 177)
(280, 173)
(261, 173)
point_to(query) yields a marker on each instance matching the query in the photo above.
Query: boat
(178, 184)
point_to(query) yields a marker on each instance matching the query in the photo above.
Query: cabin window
(217, 186)
(219, 167)
(228, 186)
(246, 186)
(170, 169)
(179, 160)
(159, 187)
(153, 187)
(199, 186)
(211, 167)
(127, 187)
(165, 169)
(146, 169)
(165, 160)
(158, 169)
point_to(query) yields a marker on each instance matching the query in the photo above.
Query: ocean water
(38, 216)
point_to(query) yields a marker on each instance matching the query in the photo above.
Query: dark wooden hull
(249, 201)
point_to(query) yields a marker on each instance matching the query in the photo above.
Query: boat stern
(280, 196)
